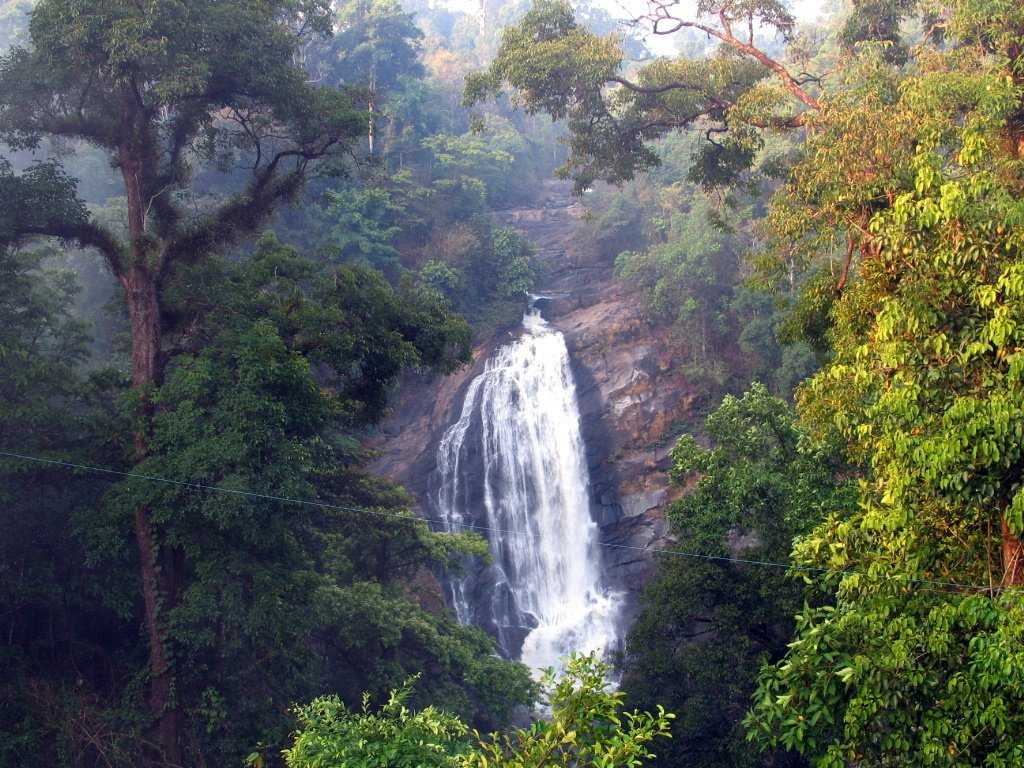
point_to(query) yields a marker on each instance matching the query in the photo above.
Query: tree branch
(653, 89)
(247, 211)
(847, 260)
(662, 15)
(85, 234)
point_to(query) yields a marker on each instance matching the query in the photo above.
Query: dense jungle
(511, 383)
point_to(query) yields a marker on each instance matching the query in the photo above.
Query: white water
(516, 453)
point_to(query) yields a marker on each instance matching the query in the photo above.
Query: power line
(448, 524)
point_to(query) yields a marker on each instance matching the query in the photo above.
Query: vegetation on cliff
(897, 214)
(232, 557)
(276, 209)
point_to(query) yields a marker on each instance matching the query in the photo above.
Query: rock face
(631, 397)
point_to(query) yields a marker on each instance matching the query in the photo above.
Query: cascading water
(514, 463)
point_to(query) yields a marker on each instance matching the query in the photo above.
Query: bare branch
(662, 16)
(847, 260)
(653, 89)
(245, 212)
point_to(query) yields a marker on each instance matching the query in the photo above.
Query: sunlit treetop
(917, 660)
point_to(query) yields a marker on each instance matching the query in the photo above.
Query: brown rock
(632, 398)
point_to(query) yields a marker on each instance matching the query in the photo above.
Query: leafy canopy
(587, 728)
(759, 484)
(925, 390)
(391, 737)
(556, 65)
(160, 86)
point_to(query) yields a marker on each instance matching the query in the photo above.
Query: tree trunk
(144, 315)
(369, 130)
(371, 107)
(158, 571)
(1013, 557)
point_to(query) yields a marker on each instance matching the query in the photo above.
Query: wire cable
(447, 524)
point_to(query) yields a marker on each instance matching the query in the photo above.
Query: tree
(281, 599)
(879, 21)
(559, 67)
(49, 408)
(587, 728)
(759, 484)
(470, 156)
(363, 225)
(155, 86)
(684, 251)
(392, 737)
(919, 660)
(374, 47)
(687, 279)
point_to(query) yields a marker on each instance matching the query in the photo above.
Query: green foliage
(315, 593)
(486, 271)
(269, 364)
(348, 321)
(924, 391)
(686, 279)
(878, 21)
(587, 728)
(470, 156)
(157, 88)
(375, 45)
(392, 737)
(758, 485)
(41, 343)
(441, 277)
(363, 225)
(510, 266)
(49, 407)
(690, 275)
(808, 319)
(280, 599)
(557, 66)
(761, 475)
(33, 200)
(616, 225)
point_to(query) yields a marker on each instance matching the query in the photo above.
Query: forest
(246, 244)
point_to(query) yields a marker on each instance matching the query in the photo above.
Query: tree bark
(369, 130)
(144, 316)
(158, 571)
(1013, 557)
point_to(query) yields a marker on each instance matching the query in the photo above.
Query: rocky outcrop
(632, 398)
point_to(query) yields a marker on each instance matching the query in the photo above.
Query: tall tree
(556, 65)
(376, 44)
(759, 484)
(919, 661)
(159, 86)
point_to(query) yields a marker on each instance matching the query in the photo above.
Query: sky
(805, 10)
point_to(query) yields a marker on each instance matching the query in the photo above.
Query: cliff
(631, 397)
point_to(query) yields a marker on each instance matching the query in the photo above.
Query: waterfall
(514, 463)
